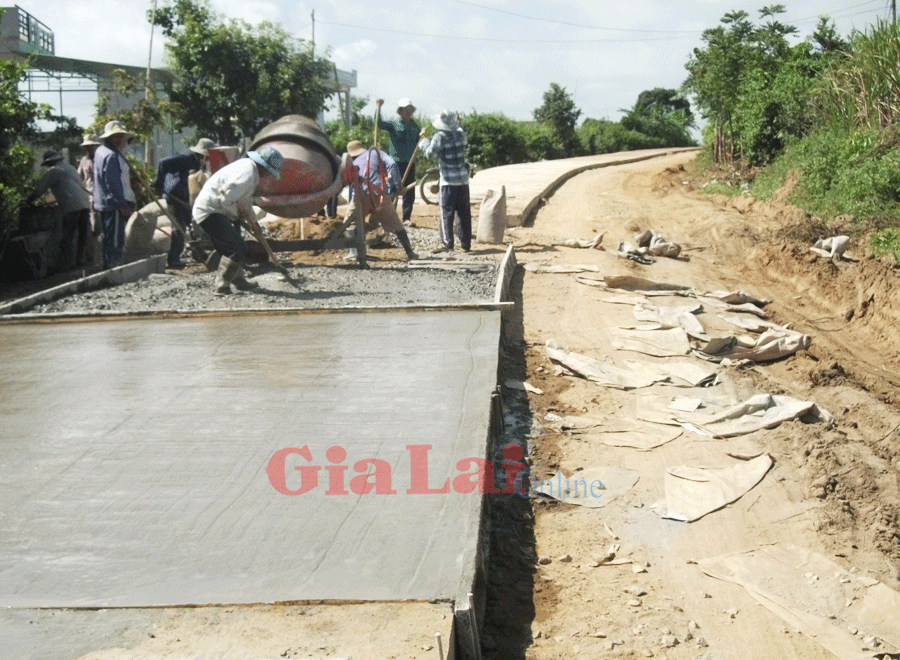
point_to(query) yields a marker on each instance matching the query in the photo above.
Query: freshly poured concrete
(134, 458)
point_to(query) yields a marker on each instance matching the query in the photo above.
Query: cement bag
(139, 231)
(492, 217)
(196, 179)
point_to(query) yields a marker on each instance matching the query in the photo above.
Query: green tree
(233, 78)
(662, 115)
(493, 140)
(559, 111)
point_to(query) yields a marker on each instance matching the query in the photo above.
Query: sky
(486, 56)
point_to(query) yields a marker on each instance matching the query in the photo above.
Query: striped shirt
(449, 147)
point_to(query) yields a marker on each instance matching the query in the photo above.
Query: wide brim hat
(90, 140)
(203, 146)
(51, 157)
(355, 148)
(445, 120)
(404, 103)
(114, 128)
(269, 158)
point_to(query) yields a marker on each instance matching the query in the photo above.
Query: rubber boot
(403, 237)
(225, 274)
(241, 283)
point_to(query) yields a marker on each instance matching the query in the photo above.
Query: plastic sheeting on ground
(830, 248)
(679, 316)
(592, 487)
(761, 411)
(816, 596)
(773, 344)
(693, 492)
(617, 433)
(604, 373)
(671, 342)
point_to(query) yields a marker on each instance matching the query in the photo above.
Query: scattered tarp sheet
(591, 243)
(770, 345)
(560, 268)
(817, 596)
(635, 284)
(753, 324)
(692, 492)
(746, 307)
(617, 433)
(832, 247)
(735, 298)
(679, 316)
(608, 375)
(682, 373)
(652, 242)
(593, 487)
(671, 342)
(761, 411)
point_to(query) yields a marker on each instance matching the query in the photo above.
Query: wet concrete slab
(150, 463)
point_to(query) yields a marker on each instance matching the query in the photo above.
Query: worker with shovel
(227, 198)
(404, 133)
(380, 179)
(172, 182)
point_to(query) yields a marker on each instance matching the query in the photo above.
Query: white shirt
(229, 192)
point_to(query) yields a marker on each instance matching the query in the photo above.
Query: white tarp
(692, 492)
(773, 344)
(761, 411)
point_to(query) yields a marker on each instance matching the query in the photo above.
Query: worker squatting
(375, 475)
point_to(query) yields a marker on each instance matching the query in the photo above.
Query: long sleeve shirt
(172, 175)
(449, 147)
(229, 192)
(372, 174)
(112, 189)
(63, 180)
(404, 137)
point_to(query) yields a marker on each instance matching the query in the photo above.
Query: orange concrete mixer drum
(311, 174)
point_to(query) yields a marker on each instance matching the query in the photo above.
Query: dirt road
(622, 581)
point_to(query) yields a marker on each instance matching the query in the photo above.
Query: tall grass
(862, 87)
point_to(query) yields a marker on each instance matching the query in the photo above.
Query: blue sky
(481, 55)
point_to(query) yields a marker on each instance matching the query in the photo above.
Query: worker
(225, 199)
(379, 180)
(449, 146)
(172, 183)
(63, 181)
(404, 134)
(113, 197)
(86, 172)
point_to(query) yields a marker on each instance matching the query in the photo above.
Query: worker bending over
(225, 199)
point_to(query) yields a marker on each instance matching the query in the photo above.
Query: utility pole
(313, 42)
(147, 82)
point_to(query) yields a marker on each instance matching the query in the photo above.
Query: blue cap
(269, 158)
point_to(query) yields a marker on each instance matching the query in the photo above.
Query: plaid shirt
(450, 149)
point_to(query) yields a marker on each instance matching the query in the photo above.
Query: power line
(578, 25)
(511, 41)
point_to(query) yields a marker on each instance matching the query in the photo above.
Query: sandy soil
(833, 491)
(551, 592)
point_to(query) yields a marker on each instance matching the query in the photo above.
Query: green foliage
(861, 86)
(662, 116)
(233, 78)
(558, 111)
(602, 136)
(18, 118)
(494, 140)
(752, 85)
(142, 117)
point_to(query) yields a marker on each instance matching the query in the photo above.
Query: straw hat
(90, 140)
(203, 146)
(114, 128)
(355, 148)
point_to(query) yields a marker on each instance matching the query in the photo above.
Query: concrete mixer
(312, 174)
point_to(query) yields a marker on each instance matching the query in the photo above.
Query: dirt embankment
(835, 491)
